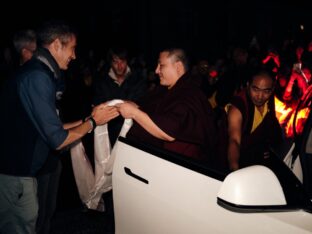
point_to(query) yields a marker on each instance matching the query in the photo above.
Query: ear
(24, 51)
(273, 86)
(180, 67)
(57, 44)
(26, 54)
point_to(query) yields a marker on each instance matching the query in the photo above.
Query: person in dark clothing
(120, 82)
(252, 125)
(175, 116)
(33, 128)
(235, 77)
(25, 44)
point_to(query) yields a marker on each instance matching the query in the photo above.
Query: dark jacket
(133, 88)
(32, 126)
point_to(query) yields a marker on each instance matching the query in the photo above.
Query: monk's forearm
(148, 124)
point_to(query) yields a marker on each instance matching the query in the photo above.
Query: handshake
(109, 110)
(105, 112)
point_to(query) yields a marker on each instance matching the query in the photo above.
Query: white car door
(158, 193)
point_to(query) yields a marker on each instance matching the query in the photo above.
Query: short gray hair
(23, 39)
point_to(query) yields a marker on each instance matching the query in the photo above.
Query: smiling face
(167, 70)
(65, 52)
(260, 89)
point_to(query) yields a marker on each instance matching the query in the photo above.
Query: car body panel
(154, 194)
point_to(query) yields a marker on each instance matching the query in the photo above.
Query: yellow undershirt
(258, 117)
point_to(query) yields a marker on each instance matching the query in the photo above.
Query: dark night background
(204, 28)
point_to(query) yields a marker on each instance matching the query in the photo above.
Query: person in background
(119, 82)
(33, 127)
(298, 83)
(176, 115)
(25, 44)
(252, 125)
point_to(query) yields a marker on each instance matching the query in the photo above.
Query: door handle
(130, 173)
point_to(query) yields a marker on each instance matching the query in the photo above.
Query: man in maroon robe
(175, 116)
(253, 128)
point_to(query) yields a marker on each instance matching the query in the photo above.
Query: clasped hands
(103, 112)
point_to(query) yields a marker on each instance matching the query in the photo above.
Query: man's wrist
(92, 123)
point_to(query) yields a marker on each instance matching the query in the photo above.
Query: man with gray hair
(25, 44)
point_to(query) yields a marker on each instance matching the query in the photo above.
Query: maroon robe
(183, 112)
(267, 136)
